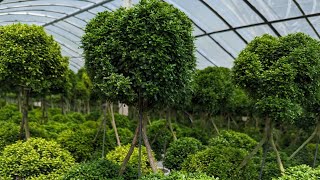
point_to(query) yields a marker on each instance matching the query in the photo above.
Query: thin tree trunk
(258, 146)
(228, 122)
(20, 99)
(277, 154)
(148, 147)
(98, 131)
(113, 123)
(215, 126)
(133, 144)
(24, 123)
(305, 143)
(170, 125)
(88, 106)
(316, 152)
(104, 129)
(265, 151)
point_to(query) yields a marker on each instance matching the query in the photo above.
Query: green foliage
(196, 132)
(54, 111)
(160, 136)
(54, 128)
(35, 115)
(38, 130)
(306, 155)
(282, 74)
(120, 152)
(76, 117)
(300, 172)
(123, 121)
(179, 150)
(60, 118)
(93, 116)
(213, 87)
(179, 175)
(79, 142)
(220, 161)
(234, 139)
(33, 158)
(30, 58)
(146, 50)
(125, 136)
(98, 169)
(9, 133)
(11, 113)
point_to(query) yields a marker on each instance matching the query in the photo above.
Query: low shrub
(179, 175)
(98, 169)
(120, 152)
(300, 172)
(9, 134)
(11, 113)
(179, 150)
(33, 158)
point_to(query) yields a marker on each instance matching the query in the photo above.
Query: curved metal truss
(222, 27)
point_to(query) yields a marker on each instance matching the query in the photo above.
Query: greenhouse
(159, 89)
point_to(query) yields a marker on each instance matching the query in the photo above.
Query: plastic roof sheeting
(222, 27)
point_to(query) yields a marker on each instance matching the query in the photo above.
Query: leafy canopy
(146, 50)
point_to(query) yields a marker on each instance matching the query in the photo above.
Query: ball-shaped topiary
(301, 172)
(33, 158)
(120, 152)
(220, 161)
(98, 169)
(233, 139)
(9, 133)
(179, 150)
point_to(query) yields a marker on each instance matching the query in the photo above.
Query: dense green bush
(54, 128)
(79, 142)
(306, 155)
(160, 136)
(98, 169)
(120, 152)
(54, 111)
(10, 112)
(196, 132)
(123, 122)
(179, 175)
(33, 158)
(76, 117)
(35, 115)
(9, 133)
(234, 139)
(38, 130)
(60, 118)
(301, 172)
(93, 116)
(220, 161)
(125, 136)
(179, 150)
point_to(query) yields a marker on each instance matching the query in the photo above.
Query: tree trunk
(277, 154)
(148, 147)
(88, 106)
(170, 125)
(133, 144)
(306, 142)
(265, 151)
(215, 126)
(113, 123)
(24, 123)
(316, 153)
(104, 129)
(264, 139)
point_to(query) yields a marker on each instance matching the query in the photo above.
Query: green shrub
(33, 158)
(54, 128)
(300, 172)
(123, 121)
(9, 133)
(79, 142)
(35, 115)
(38, 130)
(125, 136)
(93, 116)
(120, 152)
(306, 155)
(10, 112)
(98, 169)
(234, 139)
(179, 175)
(179, 150)
(54, 111)
(253, 132)
(60, 118)
(160, 136)
(76, 117)
(195, 132)
(220, 161)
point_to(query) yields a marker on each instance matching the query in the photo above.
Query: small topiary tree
(150, 65)
(119, 153)
(179, 150)
(98, 169)
(282, 76)
(33, 158)
(29, 60)
(220, 161)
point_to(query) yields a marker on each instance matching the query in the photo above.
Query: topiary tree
(142, 56)
(281, 75)
(119, 153)
(179, 150)
(98, 169)
(30, 60)
(212, 88)
(34, 158)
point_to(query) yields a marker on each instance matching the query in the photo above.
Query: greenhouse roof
(222, 27)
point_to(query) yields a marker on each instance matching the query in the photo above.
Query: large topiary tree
(142, 56)
(282, 76)
(29, 60)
